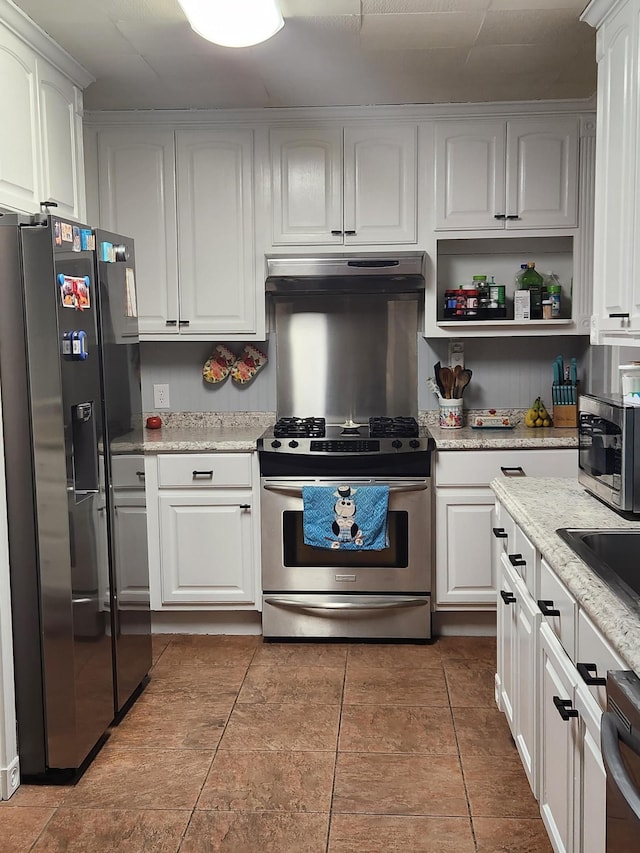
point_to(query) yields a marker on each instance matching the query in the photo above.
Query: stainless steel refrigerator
(69, 370)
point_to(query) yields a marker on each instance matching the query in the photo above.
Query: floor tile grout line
(337, 751)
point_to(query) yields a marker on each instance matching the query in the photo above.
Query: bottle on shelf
(554, 293)
(519, 274)
(532, 281)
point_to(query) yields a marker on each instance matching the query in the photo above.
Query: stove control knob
(414, 443)
(395, 443)
(293, 443)
(276, 443)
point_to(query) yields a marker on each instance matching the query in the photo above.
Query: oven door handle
(295, 490)
(611, 731)
(387, 604)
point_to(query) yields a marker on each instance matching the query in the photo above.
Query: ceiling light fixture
(234, 23)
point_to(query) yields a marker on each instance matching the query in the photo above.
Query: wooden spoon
(447, 380)
(461, 381)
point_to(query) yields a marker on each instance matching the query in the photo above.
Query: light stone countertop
(228, 439)
(540, 506)
(520, 437)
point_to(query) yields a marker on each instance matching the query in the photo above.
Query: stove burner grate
(400, 427)
(299, 428)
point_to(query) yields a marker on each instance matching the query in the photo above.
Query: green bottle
(531, 277)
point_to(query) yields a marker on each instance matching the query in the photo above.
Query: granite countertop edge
(542, 505)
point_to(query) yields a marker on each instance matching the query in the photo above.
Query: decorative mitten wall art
(247, 365)
(218, 366)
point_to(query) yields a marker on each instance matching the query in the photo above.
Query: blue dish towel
(353, 519)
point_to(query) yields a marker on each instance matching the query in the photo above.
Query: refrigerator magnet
(66, 232)
(74, 291)
(57, 233)
(87, 240)
(76, 245)
(131, 302)
(79, 346)
(107, 252)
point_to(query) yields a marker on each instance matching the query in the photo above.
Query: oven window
(296, 553)
(600, 449)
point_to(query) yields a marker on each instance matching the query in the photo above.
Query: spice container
(547, 309)
(554, 294)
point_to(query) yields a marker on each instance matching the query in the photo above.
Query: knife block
(565, 415)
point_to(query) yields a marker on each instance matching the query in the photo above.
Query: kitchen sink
(614, 555)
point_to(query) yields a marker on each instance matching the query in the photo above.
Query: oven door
(288, 565)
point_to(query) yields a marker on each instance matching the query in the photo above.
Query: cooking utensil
(461, 381)
(433, 386)
(447, 380)
(436, 373)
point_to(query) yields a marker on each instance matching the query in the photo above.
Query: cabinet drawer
(594, 656)
(127, 471)
(522, 556)
(504, 529)
(479, 467)
(215, 469)
(554, 596)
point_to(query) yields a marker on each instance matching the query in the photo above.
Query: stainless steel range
(314, 592)
(346, 329)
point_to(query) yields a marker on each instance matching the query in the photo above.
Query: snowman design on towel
(344, 525)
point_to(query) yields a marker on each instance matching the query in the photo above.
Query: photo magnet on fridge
(76, 247)
(57, 233)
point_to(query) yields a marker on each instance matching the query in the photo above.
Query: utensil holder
(451, 414)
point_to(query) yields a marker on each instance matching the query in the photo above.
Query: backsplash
(508, 373)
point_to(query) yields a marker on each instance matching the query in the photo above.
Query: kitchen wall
(507, 373)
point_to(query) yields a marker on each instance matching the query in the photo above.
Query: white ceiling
(330, 52)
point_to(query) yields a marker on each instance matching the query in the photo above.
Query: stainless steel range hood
(376, 272)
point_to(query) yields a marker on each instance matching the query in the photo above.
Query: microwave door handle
(610, 734)
(387, 604)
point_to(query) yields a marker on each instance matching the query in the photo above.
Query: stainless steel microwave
(609, 451)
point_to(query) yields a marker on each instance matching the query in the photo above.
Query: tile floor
(239, 746)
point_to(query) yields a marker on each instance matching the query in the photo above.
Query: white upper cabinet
(516, 174)
(215, 231)
(352, 186)
(41, 119)
(616, 314)
(19, 140)
(136, 180)
(62, 150)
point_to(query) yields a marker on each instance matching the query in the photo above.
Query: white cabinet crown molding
(340, 115)
(596, 12)
(21, 25)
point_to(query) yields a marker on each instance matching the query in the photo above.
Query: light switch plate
(456, 353)
(160, 396)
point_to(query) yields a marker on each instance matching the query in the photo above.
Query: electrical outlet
(160, 396)
(456, 353)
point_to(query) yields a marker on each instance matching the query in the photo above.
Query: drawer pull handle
(500, 533)
(624, 316)
(351, 233)
(184, 322)
(499, 216)
(547, 608)
(140, 474)
(208, 475)
(171, 323)
(245, 506)
(592, 680)
(516, 560)
(507, 597)
(564, 708)
(513, 472)
(336, 233)
(512, 216)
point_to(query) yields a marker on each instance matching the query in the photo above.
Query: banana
(537, 415)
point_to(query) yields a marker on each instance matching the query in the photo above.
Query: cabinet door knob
(499, 216)
(500, 533)
(516, 560)
(507, 597)
(564, 708)
(592, 680)
(547, 608)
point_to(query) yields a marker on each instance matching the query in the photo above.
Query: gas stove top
(316, 436)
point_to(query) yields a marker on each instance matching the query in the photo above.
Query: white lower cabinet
(465, 517)
(203, 532)
(551, 663)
